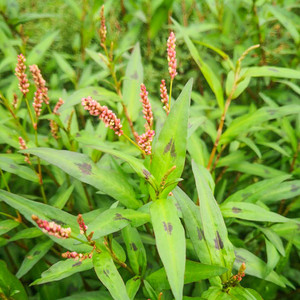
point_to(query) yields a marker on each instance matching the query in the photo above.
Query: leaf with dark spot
(246, 195)
(266, 171)
(273, 70)
(294, 188)
(106, 272)
(173, 152)
(168, 227)
(119, 217)
(77, 264)
(168, 147)
(239, 259)
(236, 210)
(13, 166)
(146, 173)
(95, 92)
(218, 241)
(85, 168)
(78, 134)
(36, 252)
(271, 111)
(134, 76)
(58, 222)
(200, 233)
(133, 246)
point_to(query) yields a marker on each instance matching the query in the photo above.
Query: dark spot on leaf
(85, 168)
(133, 246)
(146, 173)
(190, 125)
(294, 188)
(267, 171)
(119, 217)
(168, 147)
(218, 241)
(271, 111)
(199, 63)
(246, 195)
(135, 278)
(38, 51)
(236, 210)
(78, 134)
(134, 75)
(239, 259)
(200, 233)
(173, 152)
(178, 206)
(36, 252)
(95, 92)
(77, 264)
(13, 166)
(168, 227)
(106, 272)
(273, 70)
(58, 222)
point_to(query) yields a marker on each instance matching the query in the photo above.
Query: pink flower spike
(82, 226)
(164, 96)
(147, 110)
(172, 55)
(21, 75)
(102, 30)
(52, 228)
(39, 82)
(145, 140)
(59, 103)
(92, 106)
(23, 147)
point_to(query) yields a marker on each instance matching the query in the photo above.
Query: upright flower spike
(82, 226)
(23, 147)
(52, 228)
(102, 30)
(105, 114)
(21, 75)
(145, 140)
(172, 55)
(54, 129)
(147, 110)
(37, 105)
(164, 96)
(59, 103)
(39, 82)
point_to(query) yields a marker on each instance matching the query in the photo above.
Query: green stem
(4, 180)
(171, 85)
(132, 142)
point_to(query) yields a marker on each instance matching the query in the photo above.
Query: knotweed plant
(130, 190)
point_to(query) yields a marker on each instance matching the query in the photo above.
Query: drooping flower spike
(24, 147)
(147, 110)
(172, 55)
(59, 103)
(105, 114)
(52, 228)
(39, 82)
(21, 75)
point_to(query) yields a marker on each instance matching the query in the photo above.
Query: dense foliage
(149, 149)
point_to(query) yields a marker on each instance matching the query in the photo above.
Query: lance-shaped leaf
(33, 256)
(214, 228)
(170, 242)
(250, 211)
(115, 219)
(109, 275)
(193, 225)
(27, 233)
(63, 269)
(135, 249)
(132, 286)
(169, 148)
(209, 75)
(46, 212)
(132, 81)
(84, 169)
(7, 225)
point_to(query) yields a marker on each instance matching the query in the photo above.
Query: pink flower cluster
(77, 256)
(164, 96)
(53, 124)
(23, 147)
(15, 101)
(82, 226)
(59, 103)
(147, 110)
(52, 228)
(172, 55)
(102, 30)
(145, 140)
(39, 82)
(21, 75)
(37, 103)
(105, 114)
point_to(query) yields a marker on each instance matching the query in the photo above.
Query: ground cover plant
(149, 149)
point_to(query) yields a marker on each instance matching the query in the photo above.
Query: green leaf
(272, 255)
(95, 295)
(274, 239)
(10, 285)
(65, 66)
(84, 169)
(115, 219)
(135, 249)
(8, 225)
(169, 149)
(61, 197)
(214, 228)
(193, 225)
(109, 275)
(212, 80)
(250, 211)
(97, 93)
(63, 269)
(170, 242)
(240, 293)
(194, 272)
(242, 85)
(37, 54)
(25, 172)
(27, 233)
(28, 208)
(132, 286)
(132, 81)
(271, 71)
(33, 256)
(255, 266)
